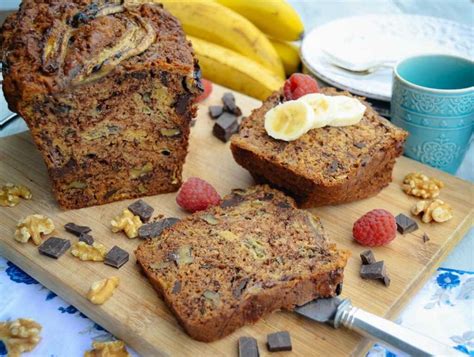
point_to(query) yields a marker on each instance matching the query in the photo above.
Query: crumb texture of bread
(329, 165)
(228, 266)
(107, 90)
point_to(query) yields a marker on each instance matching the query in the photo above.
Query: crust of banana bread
(107, 90)
(228, 266)
(330, 165)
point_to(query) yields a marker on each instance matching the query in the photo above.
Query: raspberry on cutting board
(196, 195)
(299, 85)
(375, 228)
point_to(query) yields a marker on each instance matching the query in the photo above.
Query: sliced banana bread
(232, 264)
(328, 165)
(106, 88)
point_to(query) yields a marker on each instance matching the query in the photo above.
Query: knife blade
(340, 312)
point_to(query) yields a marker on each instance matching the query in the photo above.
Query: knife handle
(397, 336)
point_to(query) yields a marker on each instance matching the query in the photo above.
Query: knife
(340, 312)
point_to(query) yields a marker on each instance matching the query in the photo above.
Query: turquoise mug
(433, 99)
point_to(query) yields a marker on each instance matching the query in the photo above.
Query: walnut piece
(433, 210)
(102, 290)
(33, 227)
(10, 194)
(108, 349)
(95, 252)
(20, 336)
(419, 185)
(127, 222)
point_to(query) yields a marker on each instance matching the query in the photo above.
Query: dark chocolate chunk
(86, 238)
(339, 289)
(267, 197)
(386, 280)
(373, 271)
(234, 200)
(367, 257)
(141, 209)
(182, 102)
(279, 341)
(154, 229)
(225, 126)
(76, 229)
(229, 104)
(405, 224)
(240, 287)
(116, 257)
(215, 111)
(54, 247)
(283, 204)
(176, 287)
(425, 237)
(333, 167)
(248, 347)
(359, 145)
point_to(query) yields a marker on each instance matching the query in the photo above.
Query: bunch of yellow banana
(241, 44)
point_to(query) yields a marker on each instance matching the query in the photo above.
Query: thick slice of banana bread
(328, 165)
(107, 90)
(232, 264)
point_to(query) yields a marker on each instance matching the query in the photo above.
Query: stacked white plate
(385, 38)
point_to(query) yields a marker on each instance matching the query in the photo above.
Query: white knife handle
(399, 337)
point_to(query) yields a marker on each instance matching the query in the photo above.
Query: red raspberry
(207, 90)
(375, 228)
(196, 194)
(299, 85)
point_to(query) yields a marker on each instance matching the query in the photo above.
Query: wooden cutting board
(136, 314)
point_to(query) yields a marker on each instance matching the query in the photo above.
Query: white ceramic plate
(380, 37)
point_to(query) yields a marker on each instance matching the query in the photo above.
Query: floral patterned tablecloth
(443, 310)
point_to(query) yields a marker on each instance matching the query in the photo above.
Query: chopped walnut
(10, 194)
(95, 252)
(33, 227)
(108, 349)
(420, 185)
(102, 290)
(127, 222)
(20, 336)
(434, 210)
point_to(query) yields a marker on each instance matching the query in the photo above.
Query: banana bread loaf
(107, 90)
(232, 264)
(328, 165)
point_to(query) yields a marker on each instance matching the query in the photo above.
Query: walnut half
(20, 336)
(102, 290)
(33, 227)
(419, 185)
(10, 194)
(127, 222)
(108, 349)
(95, 252)
(434, 210)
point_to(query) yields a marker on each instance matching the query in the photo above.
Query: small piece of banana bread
(232, 264)
(107, 89)
(329, 165)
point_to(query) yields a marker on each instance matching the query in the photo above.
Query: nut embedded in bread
(107, 90)
(228, 266)
(328, 165)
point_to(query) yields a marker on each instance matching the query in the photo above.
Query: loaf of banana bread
(232, 264)
(329, 165)
(107, 89)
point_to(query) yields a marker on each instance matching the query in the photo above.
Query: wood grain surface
(137, 315)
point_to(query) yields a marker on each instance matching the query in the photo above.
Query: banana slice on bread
(321, 105)
(290, 120)
(345, 110)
